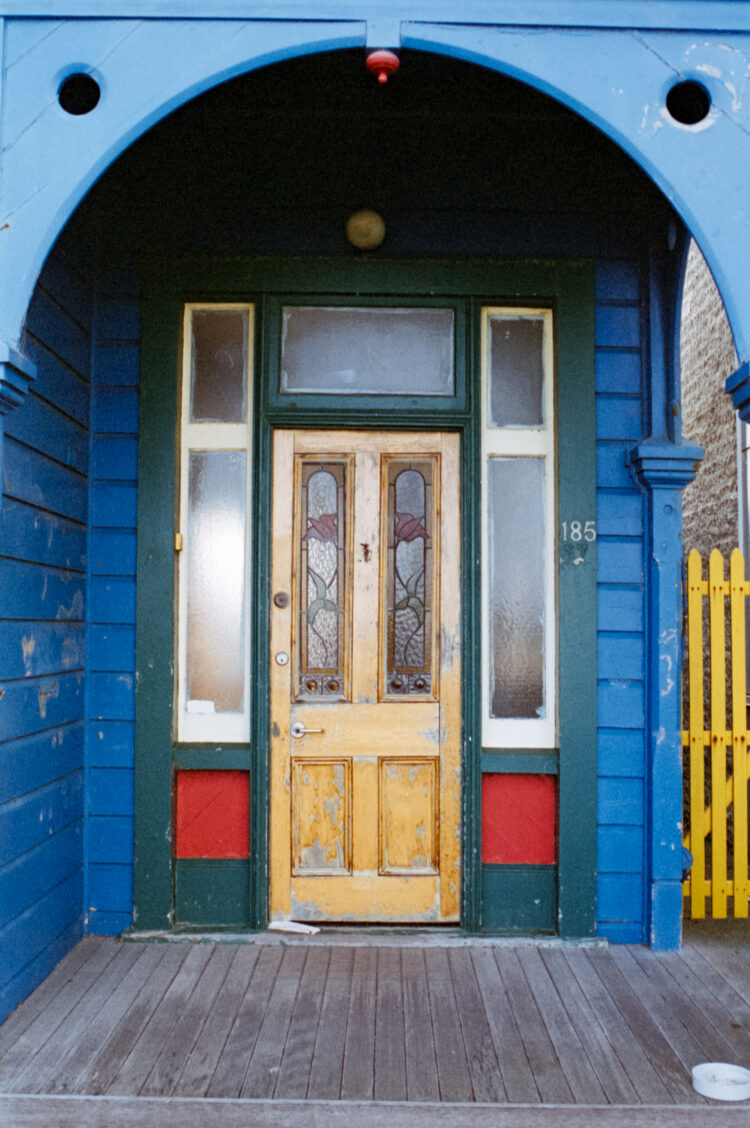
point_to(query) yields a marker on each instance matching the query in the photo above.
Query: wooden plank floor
(320, 1021)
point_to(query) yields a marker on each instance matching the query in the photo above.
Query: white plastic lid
(721, 1082)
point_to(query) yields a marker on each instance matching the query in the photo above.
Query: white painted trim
(522, 732)
(211, 727)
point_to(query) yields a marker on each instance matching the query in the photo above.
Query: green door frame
(568, 287)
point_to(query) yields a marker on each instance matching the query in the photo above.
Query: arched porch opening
(467, 167)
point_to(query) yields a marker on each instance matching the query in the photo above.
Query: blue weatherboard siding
(621, 804)
(42, 639)
(111, 630)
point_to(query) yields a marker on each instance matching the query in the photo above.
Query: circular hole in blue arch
(79, 94)
(688, 102)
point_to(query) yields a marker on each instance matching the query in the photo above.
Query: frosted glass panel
(516, 367)
(395, 352)
(219, 366)
(216, 581)
(516, 587)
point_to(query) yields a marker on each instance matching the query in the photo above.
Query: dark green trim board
(524, 760)
(519, 899)
(152, 881)
(212, 893)
(577, 664)
(491, 895)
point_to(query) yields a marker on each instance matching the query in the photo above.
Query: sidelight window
(518, 503)
(214, 582)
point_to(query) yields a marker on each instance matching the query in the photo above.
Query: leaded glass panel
(409, 578)
(322, 579)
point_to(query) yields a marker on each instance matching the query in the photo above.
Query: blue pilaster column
(663, 468)
(16, 374)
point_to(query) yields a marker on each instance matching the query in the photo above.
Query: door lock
(298, 729)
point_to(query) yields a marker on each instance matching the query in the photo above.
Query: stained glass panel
(322, 579)
(409, 578)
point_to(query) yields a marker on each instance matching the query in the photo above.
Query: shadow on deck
(333, 1030)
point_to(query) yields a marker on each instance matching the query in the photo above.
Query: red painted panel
(519, 819)
(212, 818)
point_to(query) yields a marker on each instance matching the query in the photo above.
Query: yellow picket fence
(718, 760)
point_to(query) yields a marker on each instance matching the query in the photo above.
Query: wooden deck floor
(246, 1026)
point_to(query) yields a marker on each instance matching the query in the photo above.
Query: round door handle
(298, 729)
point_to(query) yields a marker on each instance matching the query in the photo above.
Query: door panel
(365, 666)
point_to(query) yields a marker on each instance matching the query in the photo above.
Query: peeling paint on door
(365, 776)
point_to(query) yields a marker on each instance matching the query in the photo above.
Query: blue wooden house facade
(177, 175)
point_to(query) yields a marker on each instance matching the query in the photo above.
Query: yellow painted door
(365, 677)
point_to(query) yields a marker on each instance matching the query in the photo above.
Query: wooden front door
(365, 677)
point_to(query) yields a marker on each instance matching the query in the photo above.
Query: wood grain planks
(421, 1066)
(201, 1064)
(173, 1056)
(484, 1069)
(230, 1071)
(450, 1051)
(390, 1047)
(137, 1066)
(516, 1071)
(328, 1054)
(580, 1076)
(41, 1004)
(294, 1070)
(636, 1014)
(319, 1021)
(100, 1073)
(92, 1112)
(265, 1061)
(608, 1068)
(548, 1074)
(358, 1074)
(649, 1087)
(48, 1026)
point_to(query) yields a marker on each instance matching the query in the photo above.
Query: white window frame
(192, 727)
(524, 442)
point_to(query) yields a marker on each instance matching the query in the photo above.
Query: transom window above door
(343, 352)
(367, 350)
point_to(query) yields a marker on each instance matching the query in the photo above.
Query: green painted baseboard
(519, 898)
(212, 893)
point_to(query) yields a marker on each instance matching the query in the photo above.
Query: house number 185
(578, 531)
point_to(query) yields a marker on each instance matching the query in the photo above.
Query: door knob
(298, 729)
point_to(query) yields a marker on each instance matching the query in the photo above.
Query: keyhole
(366, 552)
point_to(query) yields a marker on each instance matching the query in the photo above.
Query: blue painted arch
(616, 79)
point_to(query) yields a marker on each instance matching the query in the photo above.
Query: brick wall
(710, 508)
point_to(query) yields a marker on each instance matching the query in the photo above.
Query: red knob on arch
(382, 63)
